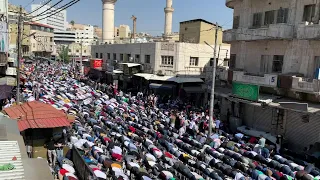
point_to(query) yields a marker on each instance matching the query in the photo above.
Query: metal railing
(84, 172)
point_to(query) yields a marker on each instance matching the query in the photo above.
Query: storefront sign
(96, 63)
(245, 91)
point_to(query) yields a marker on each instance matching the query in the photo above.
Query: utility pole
(19, 39)
(213, 80)
(134, 19)
(81, 70)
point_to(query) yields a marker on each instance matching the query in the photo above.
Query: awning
(37, 115)
(161, 86)
(131, 64)
(168, 78)
(117, 72)
(193, 89)
(10, 81)
(186, 80)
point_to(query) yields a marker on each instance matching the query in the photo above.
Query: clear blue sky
(150, 13)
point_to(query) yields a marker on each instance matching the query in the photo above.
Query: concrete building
(274, 55)
(57, 21)
(75, 50)
(25, 43)
(108, 21)
(162, 60)
(199, 31)
(85, 34)
(123, 31)
(42, 43)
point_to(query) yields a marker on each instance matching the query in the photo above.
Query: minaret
(108, 21)
(168, 18)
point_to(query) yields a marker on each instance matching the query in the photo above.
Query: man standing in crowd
(52, 155)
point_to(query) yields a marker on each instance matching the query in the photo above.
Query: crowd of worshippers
(125, 136)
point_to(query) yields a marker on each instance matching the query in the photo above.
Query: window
(257, 18)
(147, 58)
(167, 60)
(236, 22)
(77, 50)
(265, 65)
(108, 55)
(137, 58)
(194, 61)
(233, 58)
(101, 55)
(84, 51)
(69, 50)
(316, 65)
(282, 16)
(309, 12)
(269, 17)
(277, 63)
(121, 57)
(114, 56)
(34, 45)
(128, 57)
(97, 55)
(211, 62)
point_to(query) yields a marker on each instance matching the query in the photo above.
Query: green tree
(72, 22)
(63, 55)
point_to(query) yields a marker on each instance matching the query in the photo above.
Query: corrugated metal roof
(9, 150)
(37, 115)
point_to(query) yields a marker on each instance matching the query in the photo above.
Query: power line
(42, 14)
(40, 7)
(28, 4)
(59, 10)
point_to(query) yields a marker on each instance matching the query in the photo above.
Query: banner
(245, 91)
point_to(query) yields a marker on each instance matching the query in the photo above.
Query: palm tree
(72, 23)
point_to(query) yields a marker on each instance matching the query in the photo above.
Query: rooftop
(198, 20)
(37, 115)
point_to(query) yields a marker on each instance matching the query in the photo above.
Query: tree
(72, 22)
(63, 55)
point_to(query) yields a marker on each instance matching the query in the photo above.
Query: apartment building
(274, 68)
(42, 42)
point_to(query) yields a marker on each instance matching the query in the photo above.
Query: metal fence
(84, 172)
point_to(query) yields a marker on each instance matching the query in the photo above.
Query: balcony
(299, 85)
(273, 31)
(268, 80)
(308, 31)
(230, 3)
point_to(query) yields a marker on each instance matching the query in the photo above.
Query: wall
(13, 29)
(43, 42)
(209, 36)
(298, 55)
(139, 48)
(190, 32)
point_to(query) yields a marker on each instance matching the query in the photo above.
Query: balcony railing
(268, 80)
(308, 31)
(273, 31)
(298, 84)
